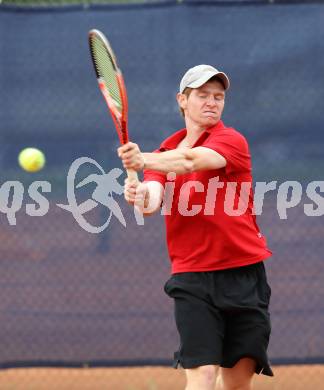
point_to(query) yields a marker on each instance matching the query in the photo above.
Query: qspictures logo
(109, 190)
(107, 187)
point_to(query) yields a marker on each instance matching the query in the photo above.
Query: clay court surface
(146, 378)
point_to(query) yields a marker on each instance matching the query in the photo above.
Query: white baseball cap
(198, 75)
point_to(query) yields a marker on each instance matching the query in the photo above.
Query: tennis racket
(112, 86)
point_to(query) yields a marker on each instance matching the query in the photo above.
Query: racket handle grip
(132, 175)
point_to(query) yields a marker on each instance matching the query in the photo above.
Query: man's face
(205, 104)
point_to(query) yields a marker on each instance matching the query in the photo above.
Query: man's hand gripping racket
(112, 86)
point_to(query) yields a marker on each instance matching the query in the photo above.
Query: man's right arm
(146, 196)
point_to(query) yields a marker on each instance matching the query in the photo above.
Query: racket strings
(110, 81)
(107, 72)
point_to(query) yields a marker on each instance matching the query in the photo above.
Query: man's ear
(182, 100)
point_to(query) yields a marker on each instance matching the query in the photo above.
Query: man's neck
(194, 131)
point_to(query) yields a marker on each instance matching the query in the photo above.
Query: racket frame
(120, 119)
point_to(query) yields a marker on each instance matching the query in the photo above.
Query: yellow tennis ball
(31, 159)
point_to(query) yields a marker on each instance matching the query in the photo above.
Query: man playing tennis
(218, 279)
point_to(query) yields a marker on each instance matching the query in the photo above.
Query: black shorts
(222, 316)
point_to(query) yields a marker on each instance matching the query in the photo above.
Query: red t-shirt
(209, 220)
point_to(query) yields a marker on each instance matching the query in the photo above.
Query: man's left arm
(180, 160)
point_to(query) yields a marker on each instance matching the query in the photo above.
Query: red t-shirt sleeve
(233, 147)
(150, 175)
